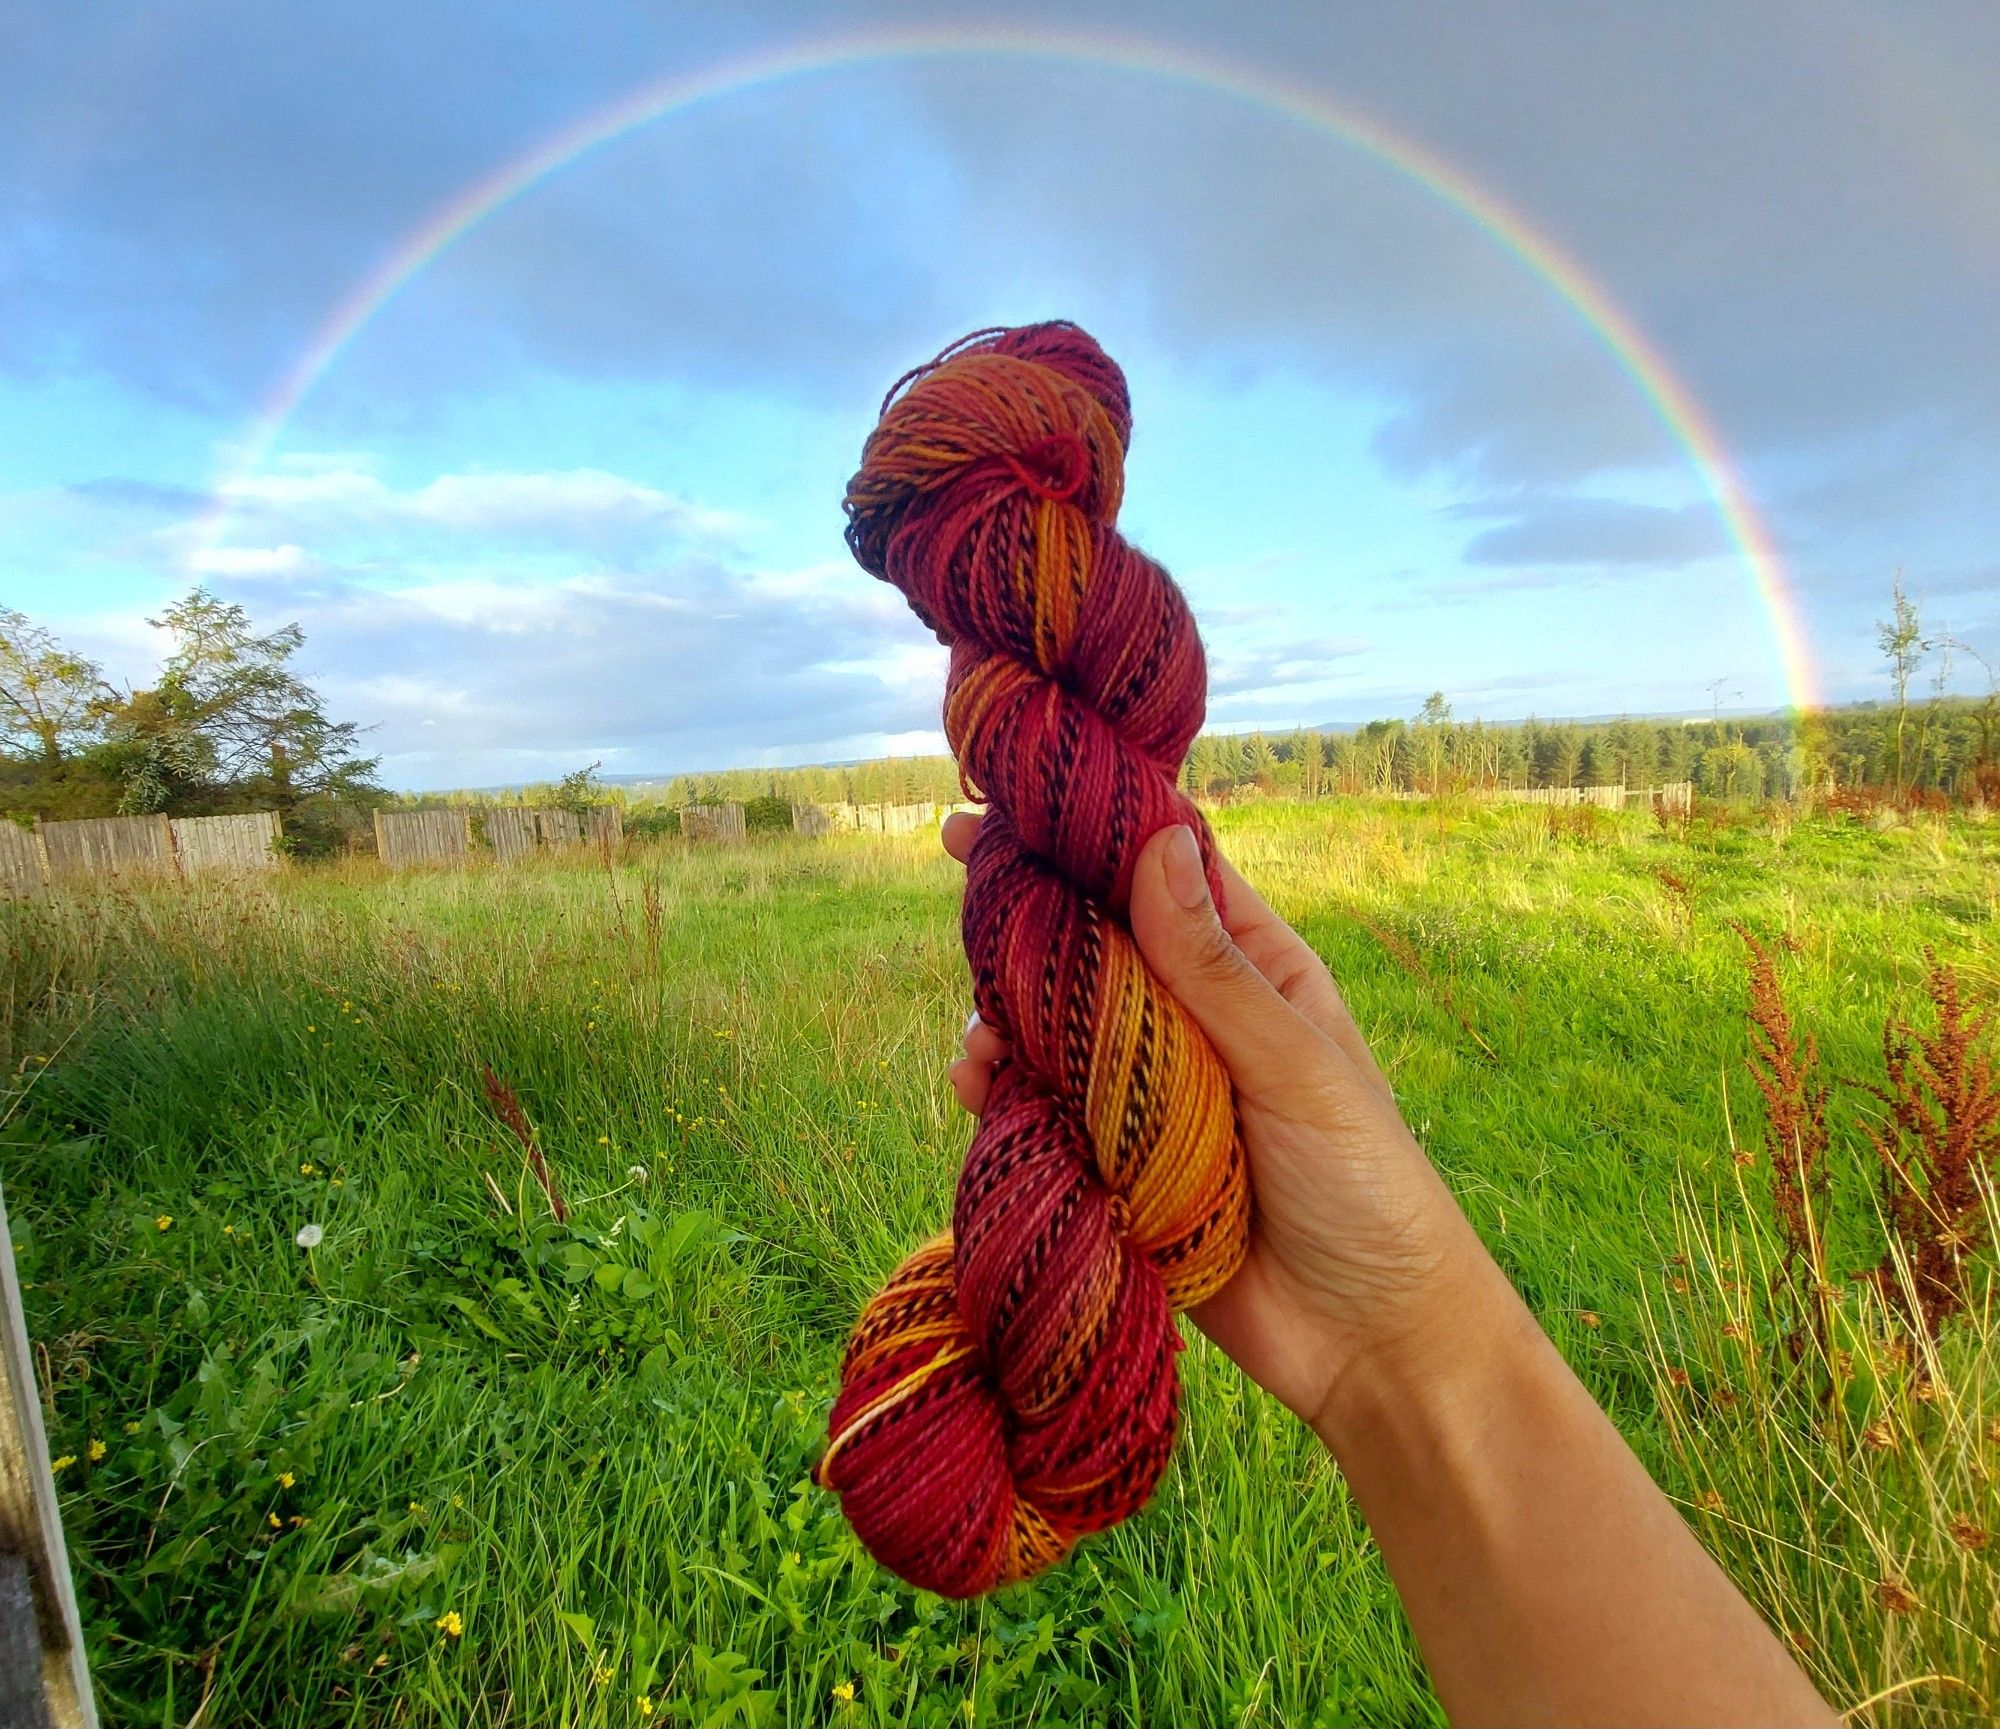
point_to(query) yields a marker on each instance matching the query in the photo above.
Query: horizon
(1548, 399)
(627, 780)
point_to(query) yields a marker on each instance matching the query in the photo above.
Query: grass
(460, 1463)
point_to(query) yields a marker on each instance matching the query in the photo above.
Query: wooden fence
(415, 837)
(43, 1684)
(713, 822)
(136, 847)
(23, 869)
(110, 846)
(227, 845)
(450, 836)
(509, 831)
(881, 818)
(810, 819)
(1677, 795)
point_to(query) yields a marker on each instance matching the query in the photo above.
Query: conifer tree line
(228, 725)
(1949, 750)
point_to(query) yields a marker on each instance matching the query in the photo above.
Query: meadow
(355, 1430)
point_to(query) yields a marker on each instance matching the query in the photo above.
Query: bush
(767, 815)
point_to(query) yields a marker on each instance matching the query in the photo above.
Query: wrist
(1438, 1367)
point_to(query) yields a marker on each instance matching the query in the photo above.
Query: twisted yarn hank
(1012, 1387)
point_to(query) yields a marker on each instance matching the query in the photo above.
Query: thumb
(1264, 1042)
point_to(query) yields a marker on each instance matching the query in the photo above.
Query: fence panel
(413, 837)
(559, 828)
(230, 845)
(23, 870)
(605, 826)
(810, 819)
(108, 846)
(509, 831)
(713, 822)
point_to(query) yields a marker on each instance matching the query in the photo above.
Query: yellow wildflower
(58, 1466)
(131, 1428)
(286, 1479)
(96, 1449)
(273, 1517)
(604, 1140)
(164, 1222)
(416, 1509)
(311, 1028)
(450, 1624)
(306, 1170)
(645, 1704)
(843, 1692)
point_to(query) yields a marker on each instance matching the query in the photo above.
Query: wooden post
(43, 1683)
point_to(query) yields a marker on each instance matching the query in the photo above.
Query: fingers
(1271, 946)
(1267, 1045)
(1299, 975)
(972, 1074)
(960, 829)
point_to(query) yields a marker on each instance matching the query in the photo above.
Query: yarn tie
(1012, 1388)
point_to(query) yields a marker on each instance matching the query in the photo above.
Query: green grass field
(460, 1464)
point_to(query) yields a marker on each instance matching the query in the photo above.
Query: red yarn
(1012, 1387)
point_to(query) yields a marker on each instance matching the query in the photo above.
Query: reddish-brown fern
(1786, 1070)
(507, 1107)
(1937, 1148)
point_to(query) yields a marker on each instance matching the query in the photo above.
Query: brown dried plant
(1680, 895)
(507, 1107)
(1785, 1067)
(1937, 1147)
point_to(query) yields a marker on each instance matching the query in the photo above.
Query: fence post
(43, 1682)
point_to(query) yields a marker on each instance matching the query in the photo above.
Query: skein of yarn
(1012, 1387)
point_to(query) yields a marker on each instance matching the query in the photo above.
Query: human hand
(1358, 1256)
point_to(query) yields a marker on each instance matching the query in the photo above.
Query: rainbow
(1614, 330)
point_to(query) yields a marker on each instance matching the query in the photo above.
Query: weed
(1937, 1149)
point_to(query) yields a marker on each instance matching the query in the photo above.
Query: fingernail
(971, 1021)
(1187, 882)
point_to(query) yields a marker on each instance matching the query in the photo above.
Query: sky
(571, 491)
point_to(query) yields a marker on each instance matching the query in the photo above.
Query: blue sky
(574, 494)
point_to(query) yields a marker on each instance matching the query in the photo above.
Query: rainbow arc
(1673, 404)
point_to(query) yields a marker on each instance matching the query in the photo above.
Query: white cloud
(346, 507)
(287, 560)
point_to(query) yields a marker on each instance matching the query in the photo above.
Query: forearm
(1547, 1578)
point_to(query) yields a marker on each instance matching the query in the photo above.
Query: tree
(258, 732)
(1901, 639)
(1432, 719)
(1260, 763)
(52, 702)
(230, 726)
(579, 790)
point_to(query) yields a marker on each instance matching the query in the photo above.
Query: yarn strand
(1012, 1387)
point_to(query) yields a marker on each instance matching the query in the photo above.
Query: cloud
(475, 681)
(1594, 531)
(1237, 672)
(584, 509)
(287, 560)
(692, 668)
